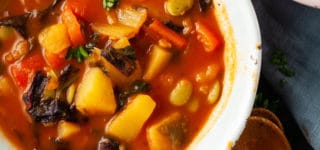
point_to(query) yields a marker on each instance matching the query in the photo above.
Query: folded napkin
(294, 29)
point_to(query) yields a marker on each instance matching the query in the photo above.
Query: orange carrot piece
(157, 28)
(73, 27)
(209, 40)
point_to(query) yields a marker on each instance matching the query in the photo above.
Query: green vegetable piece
(108, 4)
(178, 7)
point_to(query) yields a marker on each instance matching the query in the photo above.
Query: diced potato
(133, 17)
(168, 133)
(95, 94)
(121, 43)
(116, 76)
(178, 7)
(214, 92)
(128, 123)
(67, 129)
(115, 31)
(54, 38)
(158, 60)
(181, 93)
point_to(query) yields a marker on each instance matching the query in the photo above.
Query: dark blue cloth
(294, 29)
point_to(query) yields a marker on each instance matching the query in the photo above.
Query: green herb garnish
(108, 4)
(78, 53)
(278, 58)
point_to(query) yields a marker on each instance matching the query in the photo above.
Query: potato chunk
(54, 38)
(95, 94)
(168, 133)
(159, 58)
(128, 123)
(67, 129)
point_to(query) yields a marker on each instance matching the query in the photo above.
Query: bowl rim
(224, 132)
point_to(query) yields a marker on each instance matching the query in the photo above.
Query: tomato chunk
(89, 10)
(22, 72)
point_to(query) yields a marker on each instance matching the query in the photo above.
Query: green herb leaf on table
(261, 101)
(108, 4)
(278, 58)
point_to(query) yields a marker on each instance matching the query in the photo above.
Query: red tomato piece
(22, 72)
(89, 10)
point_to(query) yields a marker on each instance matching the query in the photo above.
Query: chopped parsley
(278, 58)
(261, 101)
(78, 53)
(108, 4)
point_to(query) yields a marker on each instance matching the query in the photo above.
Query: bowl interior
(238, 24)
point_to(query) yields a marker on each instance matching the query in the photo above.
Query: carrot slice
(156, 28)
(73, 27)
(209, 40)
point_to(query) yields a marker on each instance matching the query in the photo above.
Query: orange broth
(25, 133)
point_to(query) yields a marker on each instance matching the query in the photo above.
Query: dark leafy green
(17, 22)
(205, 5)
(34, 94)
(78, 53)
(123, 59)
(51, 110)
(174, 27)
(108, 144)
(68, 75)
(45, 109)
(176, 131)
(108, 4)
(138, 86)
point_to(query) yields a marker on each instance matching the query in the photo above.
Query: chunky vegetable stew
(108, 74)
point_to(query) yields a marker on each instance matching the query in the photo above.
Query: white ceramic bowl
(239, 27)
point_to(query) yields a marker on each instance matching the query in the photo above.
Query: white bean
(214, 92)
(181, 93)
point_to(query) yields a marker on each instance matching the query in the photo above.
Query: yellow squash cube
(95, 94)
(128, 123)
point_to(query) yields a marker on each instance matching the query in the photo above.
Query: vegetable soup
(108, 74)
